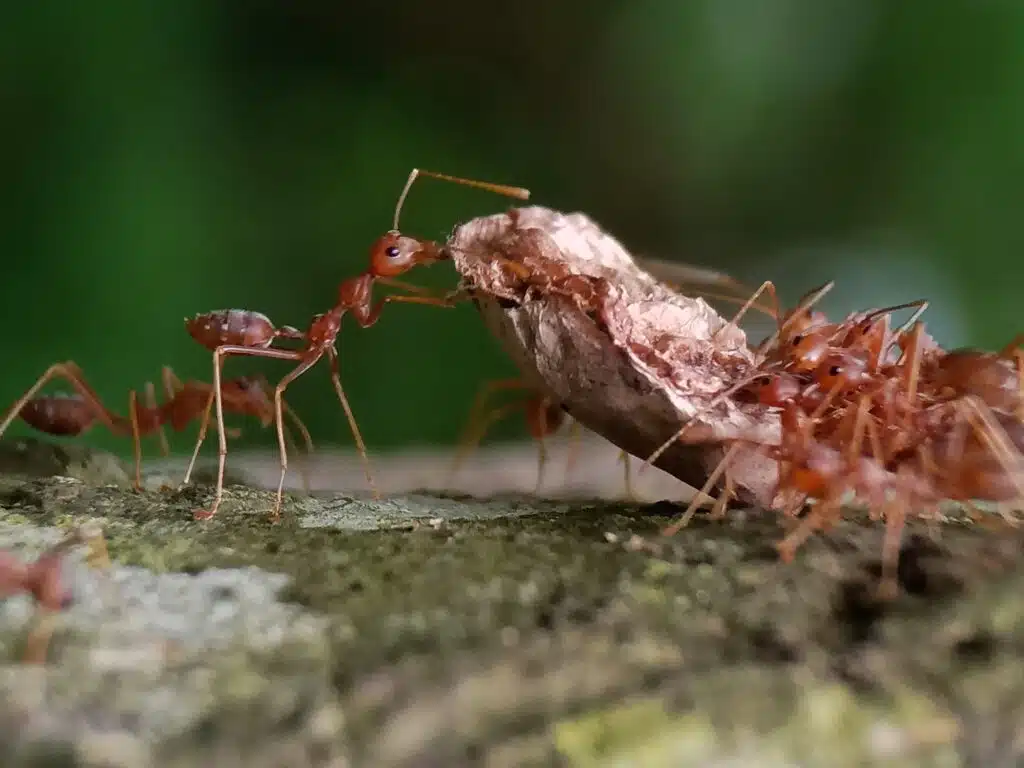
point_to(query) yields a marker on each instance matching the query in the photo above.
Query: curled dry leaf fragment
(625, 355)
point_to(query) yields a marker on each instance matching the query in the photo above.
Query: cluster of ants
(878, 413)
(882, 415)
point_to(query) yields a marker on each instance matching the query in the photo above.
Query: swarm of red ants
(820, 414)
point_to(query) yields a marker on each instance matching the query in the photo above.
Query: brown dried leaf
(627, 356)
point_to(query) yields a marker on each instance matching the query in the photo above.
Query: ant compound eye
(797, 339)
(835, 370)
(392, 252)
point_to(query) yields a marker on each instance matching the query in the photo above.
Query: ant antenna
(806, 303)
(501, 189)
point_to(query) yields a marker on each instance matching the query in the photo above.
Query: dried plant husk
(628, 357)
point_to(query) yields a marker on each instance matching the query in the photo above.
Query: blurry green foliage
(176, 156)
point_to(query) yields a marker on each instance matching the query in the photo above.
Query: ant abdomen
(971, 372)
(240, 327)
(58, 415)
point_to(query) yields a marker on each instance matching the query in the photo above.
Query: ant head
(778, 390)
(841, 369)
(394, 254)
(807, 349)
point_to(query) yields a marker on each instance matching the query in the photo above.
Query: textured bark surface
(505, 631)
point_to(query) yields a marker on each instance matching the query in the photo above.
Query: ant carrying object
(43, 581)
(75, 414)
(244, 333)
(888, 416)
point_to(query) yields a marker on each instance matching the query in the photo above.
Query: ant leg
(895, 520)
(542, 462)
(172, 384)
(693, 419)
(291, 376)
(543, 419)
(433, 301)
(404, 286)
(222, 440)
(995, 438)
(816, 518)
(481, 419)
(203, 426)
(222, 444)
(721, 505)
(484, 395)
(627, 475)
(699, 497)
(133, 415)
(472, 439)
(304, 468)
(912, 363)
(332, 355)
(151, 406)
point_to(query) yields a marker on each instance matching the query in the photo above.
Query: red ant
(809, 370)
(243, 333)
(73, 415)
(543, 418)
(42, 580)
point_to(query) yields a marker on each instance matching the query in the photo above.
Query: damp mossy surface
(428, 630)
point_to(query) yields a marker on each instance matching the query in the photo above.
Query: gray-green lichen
(436, 631)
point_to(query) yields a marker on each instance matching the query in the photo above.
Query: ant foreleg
(367, 317)
(332, 355)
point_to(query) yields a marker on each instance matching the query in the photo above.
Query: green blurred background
(167, 157)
